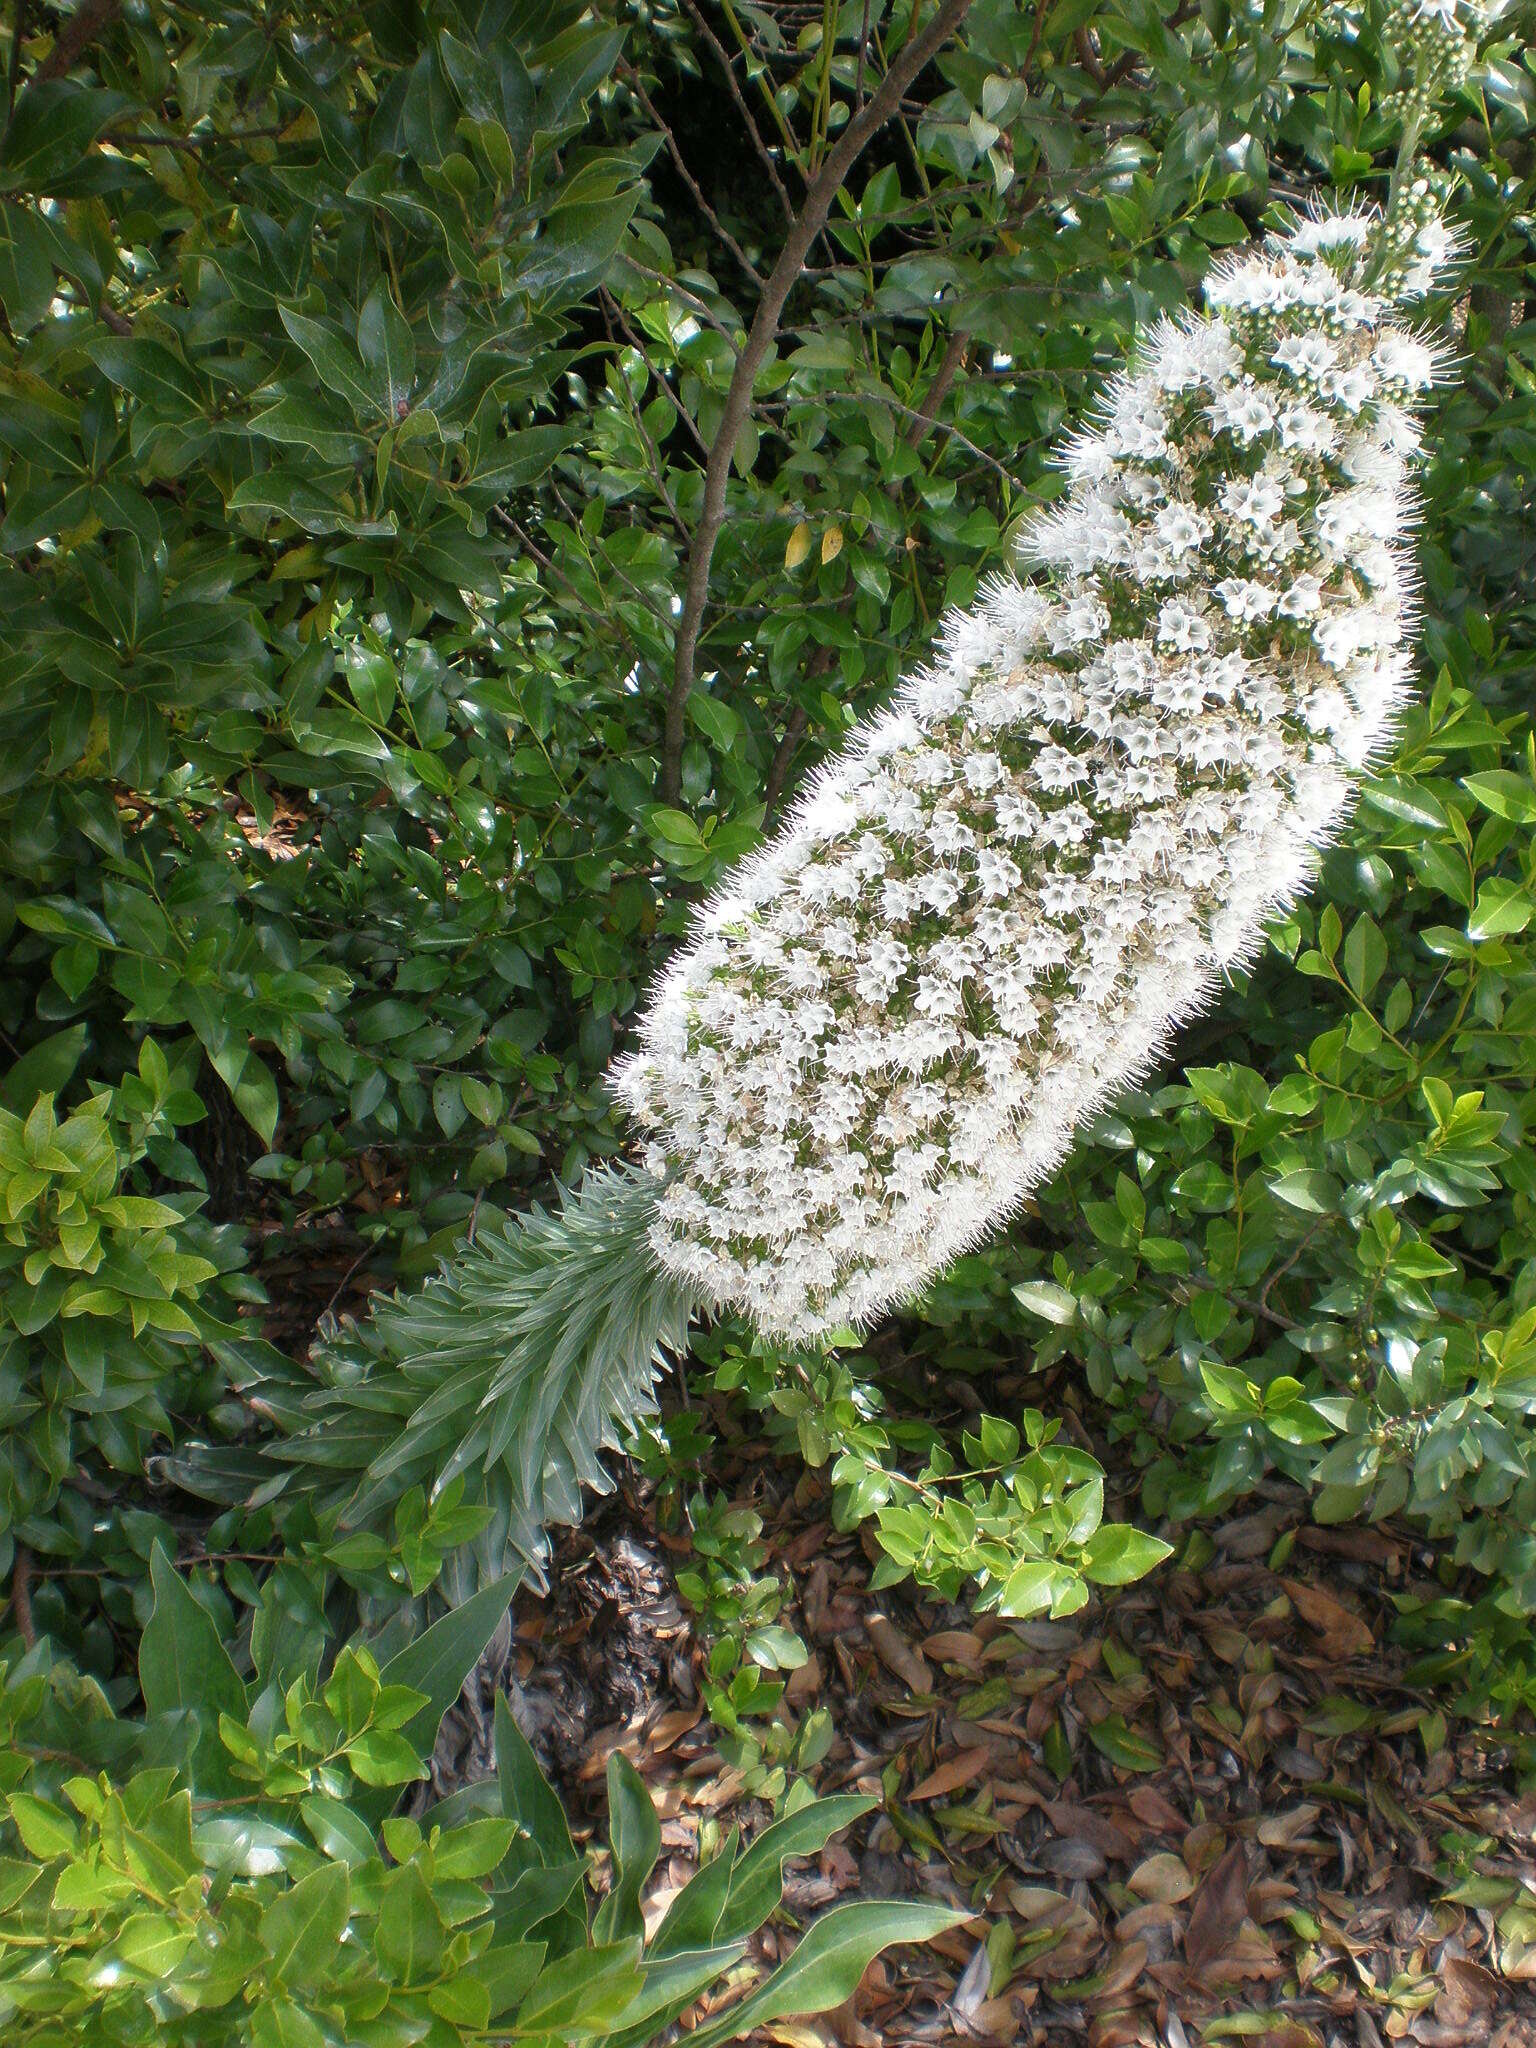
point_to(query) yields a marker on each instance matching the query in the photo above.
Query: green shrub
(229, 1871)
(111, 1299)
(358, 380)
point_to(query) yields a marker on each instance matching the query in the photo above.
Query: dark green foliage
(113, 1301)
(275, 358)
(359, 373)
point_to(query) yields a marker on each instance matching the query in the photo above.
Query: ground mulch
(1207, 1810)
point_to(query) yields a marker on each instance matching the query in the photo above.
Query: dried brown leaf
(1285, 1830)
(672, 1725)
(949, 1777)
(1155, 1811)
(1344, 1634)
(1069, 1817)
(1163, 1878)
(897, 1654)
(953, 1646)
(1221, 1906)
(1071, 1857)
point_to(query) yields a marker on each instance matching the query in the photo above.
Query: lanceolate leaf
(183, 1665)
(828, 1963)
(442, 1657)
(635, 1835)
(302, 1927)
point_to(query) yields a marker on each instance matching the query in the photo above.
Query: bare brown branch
(779, 767)
(21, 1596)
(722, 57)
(863, 126)
(938, 390)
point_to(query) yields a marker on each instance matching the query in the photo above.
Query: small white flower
(1182, 628)
(1071, 825)
(1331, 231)
(939, 890)
(1255, 501)
(996, 875)
(1017, 817)
(1246, 600)
(982, 771)
(1058, 768)
(1349, 388)
(1406, 359)
(1303, 598)
(1308, 431)
(1182, 691)
(1305, 356)
(1062, 896)
(946, 834)
(1181, 528)
(1245, 412)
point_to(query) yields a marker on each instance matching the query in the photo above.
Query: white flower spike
(987, 915)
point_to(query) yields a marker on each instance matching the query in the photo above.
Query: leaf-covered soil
(1209, 1810)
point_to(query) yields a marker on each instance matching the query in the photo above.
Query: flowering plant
(988, 914)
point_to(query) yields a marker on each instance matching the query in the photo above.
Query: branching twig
(926, 420)
(738, 402)
(922, 422)
(680, 412)
(134, 138)
(1127, 61)
(783, 757)
(723, 58)
(702, 307)
(13, 65)
(633, 80)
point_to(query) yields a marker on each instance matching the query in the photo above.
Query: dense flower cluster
(986, 915)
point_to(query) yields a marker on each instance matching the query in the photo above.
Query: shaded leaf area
(1211, 1807)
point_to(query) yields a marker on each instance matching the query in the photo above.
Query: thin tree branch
(679, 410)
(134, 139)
(13, 65)
(75, 38)
(938, 390)
(21, 1596)
(821, 661)
(702, 307)
(1127, 61)
(633, 80)
(723, 58)
(820, 664)
(783, 756)
(1042, 9)
(738, 401)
